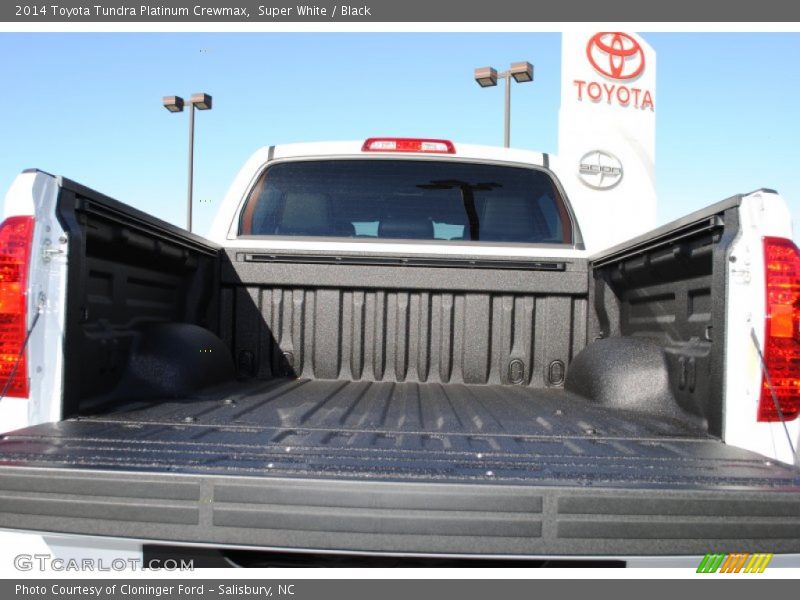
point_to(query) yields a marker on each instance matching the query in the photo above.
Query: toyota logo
(600, 170)
(615, 55)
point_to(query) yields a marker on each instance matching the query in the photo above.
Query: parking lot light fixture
(486, 76)
(200, 101)
(173, 103)
(522, 72)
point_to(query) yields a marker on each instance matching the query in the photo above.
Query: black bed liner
(392, 467)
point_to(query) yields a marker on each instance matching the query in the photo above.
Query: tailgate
(571, 494)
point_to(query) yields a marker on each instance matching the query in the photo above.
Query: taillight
(782, 336)
(408, 145)
(15, 252)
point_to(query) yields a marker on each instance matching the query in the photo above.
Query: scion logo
(615, 55)
(600, 170)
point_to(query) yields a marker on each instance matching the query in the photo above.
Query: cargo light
(16, 234)
(782, 333)
(408, 145)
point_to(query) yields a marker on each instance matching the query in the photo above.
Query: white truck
(398, 348)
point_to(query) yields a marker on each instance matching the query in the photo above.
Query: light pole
(522, 72)
(175, 104)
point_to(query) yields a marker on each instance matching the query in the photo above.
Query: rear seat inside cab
(412, 227)
(513, 220)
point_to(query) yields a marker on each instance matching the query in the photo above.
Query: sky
(88, 106)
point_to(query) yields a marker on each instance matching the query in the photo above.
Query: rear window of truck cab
(407, 200)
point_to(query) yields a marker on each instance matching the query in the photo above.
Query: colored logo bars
(734, 563)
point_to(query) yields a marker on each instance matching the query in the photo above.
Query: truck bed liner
(432, 408)
(394, 431)
(398, 468)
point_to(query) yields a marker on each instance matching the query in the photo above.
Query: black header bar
(376, 11)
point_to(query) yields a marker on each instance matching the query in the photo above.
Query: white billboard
(607, 134)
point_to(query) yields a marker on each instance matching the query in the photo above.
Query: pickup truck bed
(359, 403)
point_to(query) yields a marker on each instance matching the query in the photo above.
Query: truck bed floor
(408, 431)
(412, 408)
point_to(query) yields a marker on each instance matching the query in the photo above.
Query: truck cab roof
(356, 148)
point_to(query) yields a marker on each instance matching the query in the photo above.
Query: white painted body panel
(761, 214)
(35, 193)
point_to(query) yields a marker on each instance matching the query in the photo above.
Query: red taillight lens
(15, 252)
(782, 336)
(409, 145)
